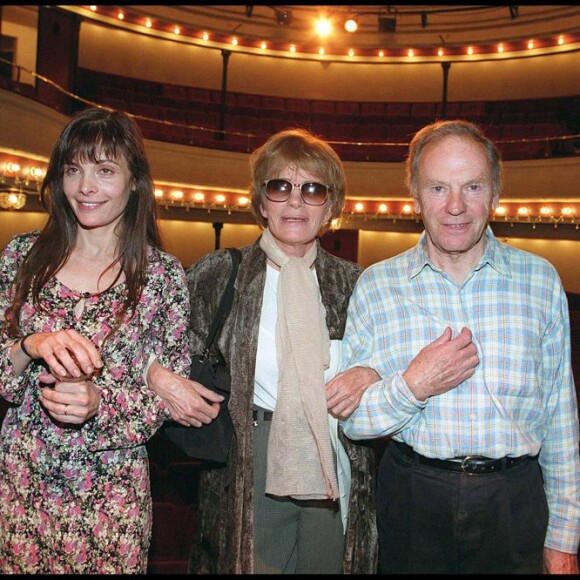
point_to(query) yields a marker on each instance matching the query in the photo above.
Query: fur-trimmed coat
(224, 537)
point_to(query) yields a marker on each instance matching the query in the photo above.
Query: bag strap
(226, 301)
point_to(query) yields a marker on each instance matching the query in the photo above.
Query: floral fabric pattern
(76, 499)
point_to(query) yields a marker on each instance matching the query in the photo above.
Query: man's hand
(344, 391)
(442, 365)
(560, 562)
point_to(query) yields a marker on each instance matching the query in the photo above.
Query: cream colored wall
(376, 246)
(134, 55)
(523, 78)
(28, 126)
(18, 222)
(21, 23)
(189, 241)
(563, 254)
(124, 53)
(186, 240)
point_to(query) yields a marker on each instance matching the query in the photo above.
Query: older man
(471, 340)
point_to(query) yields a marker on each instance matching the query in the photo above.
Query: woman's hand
(189, 403)
(67, 353)
(70, 402)
(344, 391)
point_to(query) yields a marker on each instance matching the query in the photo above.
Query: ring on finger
(66, 409)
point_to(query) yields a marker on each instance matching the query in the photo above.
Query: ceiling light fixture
(387, 22)
(351, 24)
(323, 27)
(12, 200)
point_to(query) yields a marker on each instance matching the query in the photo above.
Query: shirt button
(472, 416)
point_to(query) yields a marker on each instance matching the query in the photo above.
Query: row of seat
(256, 107)
(360, 131)
(190, 124)
(355, 142)
(111, 86)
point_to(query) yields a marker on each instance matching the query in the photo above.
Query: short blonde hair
(296, 148)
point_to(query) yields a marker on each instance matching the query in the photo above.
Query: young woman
(84, 303)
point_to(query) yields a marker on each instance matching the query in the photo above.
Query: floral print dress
(76, 499)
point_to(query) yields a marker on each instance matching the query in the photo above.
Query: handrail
(219, 137)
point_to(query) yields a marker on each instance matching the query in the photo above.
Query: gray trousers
(292, 536)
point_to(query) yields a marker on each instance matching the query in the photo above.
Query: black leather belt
(259, 415)
(471, 464)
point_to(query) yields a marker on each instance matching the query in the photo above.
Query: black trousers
(434, 521)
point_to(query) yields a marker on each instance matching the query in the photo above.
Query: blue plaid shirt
(521, 399)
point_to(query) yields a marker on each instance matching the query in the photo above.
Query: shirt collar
(494, 255)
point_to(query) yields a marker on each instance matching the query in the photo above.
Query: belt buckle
(464, 467)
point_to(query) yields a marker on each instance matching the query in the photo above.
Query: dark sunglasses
(311, 192)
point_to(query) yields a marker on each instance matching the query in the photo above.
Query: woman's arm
(188, 402)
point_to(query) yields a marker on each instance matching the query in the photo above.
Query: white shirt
(266, 378)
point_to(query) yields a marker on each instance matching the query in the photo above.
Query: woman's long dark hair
(90, 135)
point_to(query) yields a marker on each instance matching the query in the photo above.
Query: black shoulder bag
(210, 442)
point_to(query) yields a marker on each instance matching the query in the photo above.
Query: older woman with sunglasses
(296, 496)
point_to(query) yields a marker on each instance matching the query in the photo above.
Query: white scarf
(300, 456)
